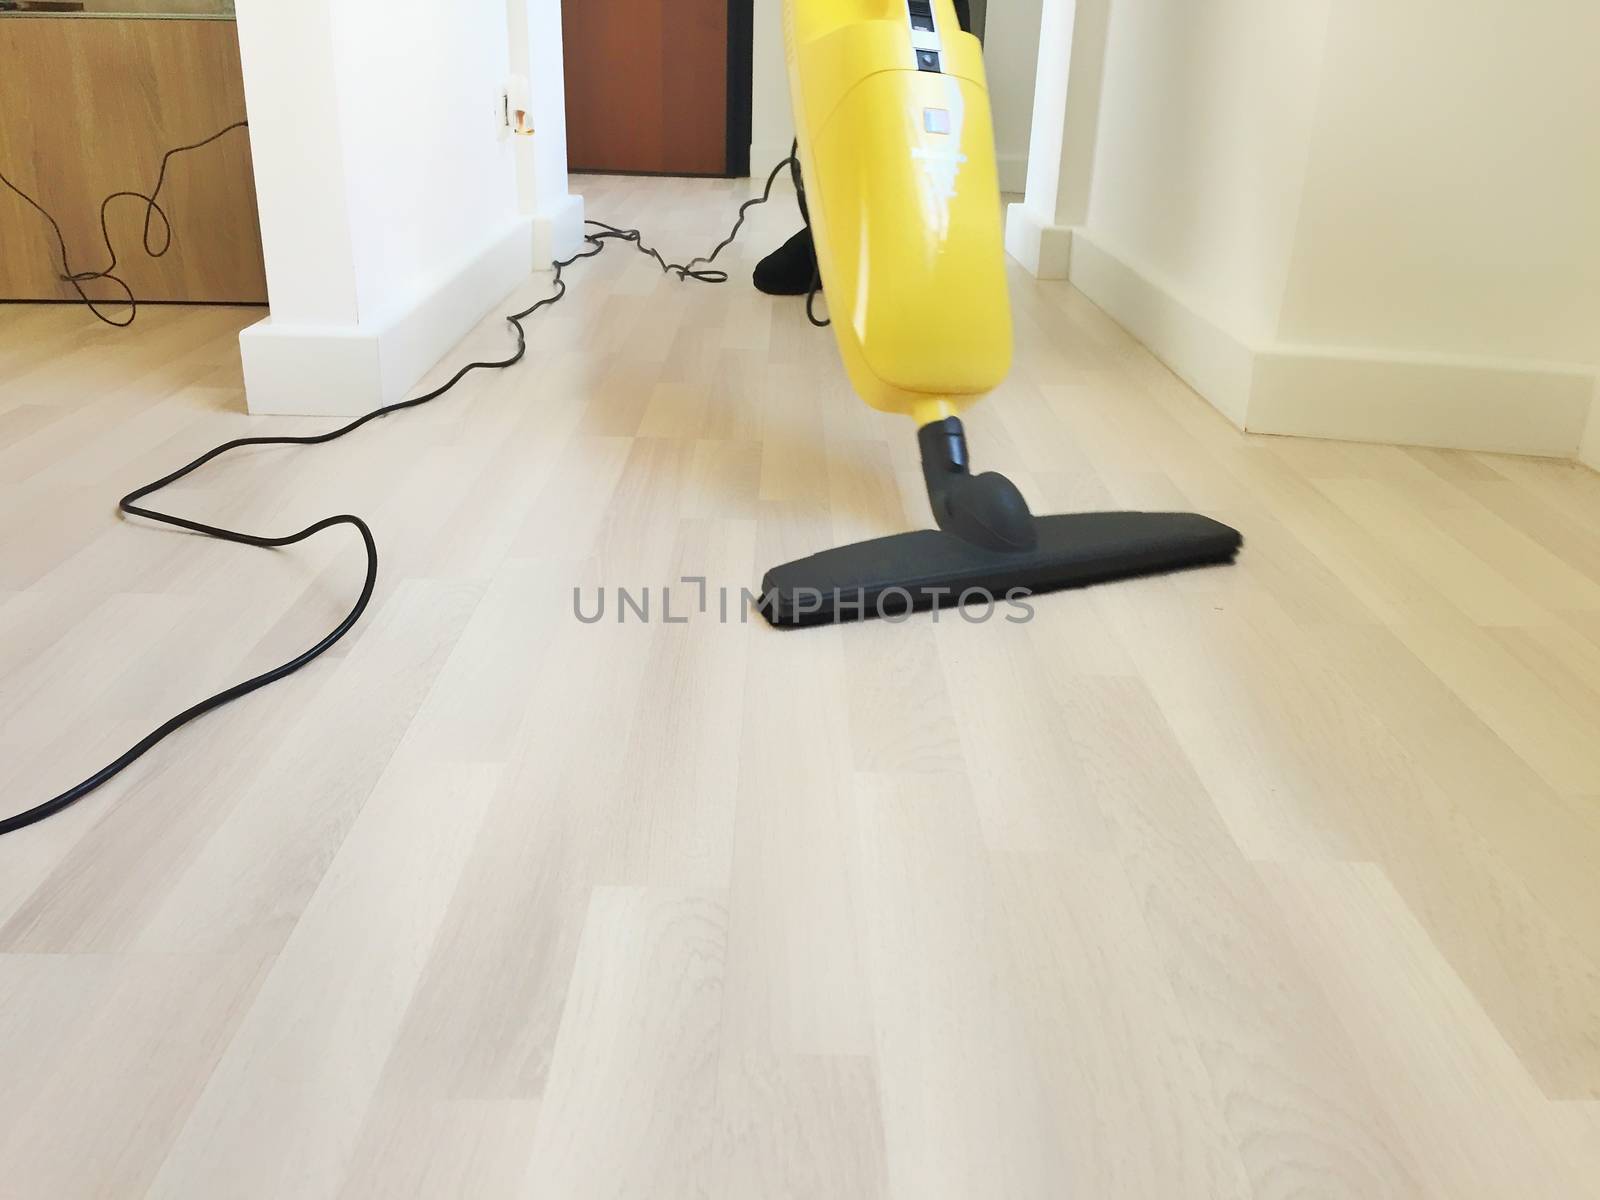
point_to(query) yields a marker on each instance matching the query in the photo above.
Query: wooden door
(648, 85)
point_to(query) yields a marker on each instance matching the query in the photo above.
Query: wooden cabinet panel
(87, 107)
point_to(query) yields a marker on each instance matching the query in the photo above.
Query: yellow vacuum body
(897, 150)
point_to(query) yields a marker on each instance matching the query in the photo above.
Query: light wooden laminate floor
(1272, 881)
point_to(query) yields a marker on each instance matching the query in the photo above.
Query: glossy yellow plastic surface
(900, 180)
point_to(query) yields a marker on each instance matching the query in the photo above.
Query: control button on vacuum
(927, 60)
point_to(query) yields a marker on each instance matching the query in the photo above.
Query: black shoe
(788, 270)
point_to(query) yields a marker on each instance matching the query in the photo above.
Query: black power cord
(129, 505)
(695, 268)
(811, 300)
(816, 263)
(152, 210)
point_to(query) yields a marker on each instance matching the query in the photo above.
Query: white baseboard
(1212, 360)
(1357, 394)
(1452, 402)
(310, 370)
(345, 370)
(1589, 452)
(1044, 250)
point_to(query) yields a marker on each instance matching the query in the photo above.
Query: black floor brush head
(914, 572)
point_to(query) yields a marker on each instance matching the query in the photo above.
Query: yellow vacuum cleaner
(897, 153)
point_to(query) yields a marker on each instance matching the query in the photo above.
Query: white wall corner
(1214, 361)
(290, 72)
(1011, 58)
(346, 370)
(310, 370)
(1013, 172)
(558, 234)
(1589, 451)
(1044, 250)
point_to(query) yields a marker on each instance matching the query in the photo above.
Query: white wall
(1011, 58)
(1358, 219)
(427, 170)
(771, 120)
(1454, 198)
(297, 145)
(538, 59)
(389, 191)
(1206, 112)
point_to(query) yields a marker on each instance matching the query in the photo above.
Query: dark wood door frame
(741, 60)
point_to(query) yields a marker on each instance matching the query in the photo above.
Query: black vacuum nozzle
(914, 572)
(989, 550)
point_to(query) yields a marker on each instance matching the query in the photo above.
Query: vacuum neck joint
(944, 447)
(986, 510)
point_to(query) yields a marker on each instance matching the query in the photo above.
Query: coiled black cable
(130, 505)
(695, 267)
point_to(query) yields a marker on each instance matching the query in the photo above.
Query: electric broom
(896, 147)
